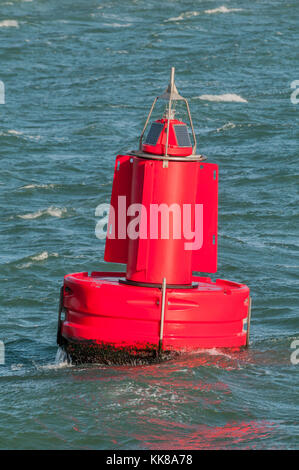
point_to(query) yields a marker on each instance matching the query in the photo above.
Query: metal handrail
(162, 315)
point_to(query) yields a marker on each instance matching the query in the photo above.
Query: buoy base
(82, 352)
(111, 322)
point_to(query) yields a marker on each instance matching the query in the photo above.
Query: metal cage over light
(170, 95)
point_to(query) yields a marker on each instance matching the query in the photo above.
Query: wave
(16, 367)
(211, 352)
(222, 9)
(14, 132)
(225, 127)
(19, 134)
(61, 361)
(40, 257)
(9, 24)
(190, 14)
(182, 16)
(38, 186)
(52, 211)
(226, 97)
(118, 25)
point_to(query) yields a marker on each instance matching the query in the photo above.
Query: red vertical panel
(147, 196)
(116, 249)
(205, 259)
(138, 174)
(151, 259)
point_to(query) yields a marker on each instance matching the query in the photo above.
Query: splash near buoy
(163, 226)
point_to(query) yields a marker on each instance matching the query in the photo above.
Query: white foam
(9, 24)
(182, 16)
(24, 265)
(33, 215)
(62, 358)
(16, 366)
(222, 9)
(61, 361)
(118, 25)
(190, 14)
(35, 186)
(216, 352)
(52, 211)
(226, 97)
(14, 132)
(225, 127)
(33, 137)
(55, 211)
(19, 133)
(210, 352)
(42, 256)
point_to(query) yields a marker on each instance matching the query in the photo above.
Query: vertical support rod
(172, 78)
(60, 309)
(167, 134)
(169, 107)
(146, 123)
(248, 322)
(192, 128)
(162, 315)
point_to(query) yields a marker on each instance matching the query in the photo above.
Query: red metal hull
(101, 310)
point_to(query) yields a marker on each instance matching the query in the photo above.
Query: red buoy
(163, 226)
